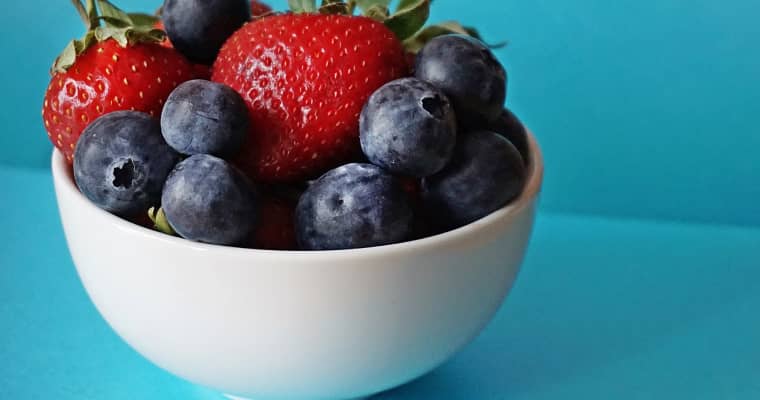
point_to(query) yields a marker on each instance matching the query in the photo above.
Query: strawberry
(306, 75)
(119, 66)
(200, 71)
(275, 229)
(305, 78)
(259, 9)
(166, 42)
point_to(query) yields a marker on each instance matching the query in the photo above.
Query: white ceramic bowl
(294, 324)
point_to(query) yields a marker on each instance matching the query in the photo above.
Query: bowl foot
(231, 397)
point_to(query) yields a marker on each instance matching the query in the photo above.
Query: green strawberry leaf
(406, 3)
(122, 27)
(87, 12)
(129, 34)
(92, 13)
(71, 52)
(81, 11)
(110, 12)
(334, 7)
(141, 19)
(67, 57)
(377, 12)
(303, 6)
(88, 40)
(366, 5)
(351, 6)
(112, 22)
(144, 34)
(416, 42)
(406, 21)
(160, 222)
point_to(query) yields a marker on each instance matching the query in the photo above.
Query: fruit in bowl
(399, 211)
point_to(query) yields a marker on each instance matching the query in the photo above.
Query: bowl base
(231, 397)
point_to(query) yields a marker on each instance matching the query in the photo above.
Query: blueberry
(208, 200)
(485, 173)
(203, 117)
(121, 162)
(408, 127)
(352, 206)
(199, 28)
(466, 70)
(509, 126)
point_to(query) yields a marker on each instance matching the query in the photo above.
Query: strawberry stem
(407, 21)
(92, 13)
(87, 12)
(122, 27)
(81, 10)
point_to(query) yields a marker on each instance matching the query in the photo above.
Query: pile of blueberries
(444, 130)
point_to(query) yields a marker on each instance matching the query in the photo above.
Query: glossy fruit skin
(485, 174)
(509, 126)
(353, 206)
(206, 199)
(199, 28)
(408, 127)
(201, 71)
(424, 224)
(107, 78)
(305, 78)
(203, 117)
(259, 9)
(467, 71)
(121, 162)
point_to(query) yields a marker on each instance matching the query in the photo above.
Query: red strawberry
(110, 75)
(305, 78)
(201, 71)
(166, 42)
(276, 230)
(259, 9)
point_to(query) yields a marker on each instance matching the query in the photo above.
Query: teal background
(644, 108)
(643, 277)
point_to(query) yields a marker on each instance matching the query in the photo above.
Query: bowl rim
(64, 182)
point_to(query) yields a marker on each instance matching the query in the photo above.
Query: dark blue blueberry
(121, 162)
(352, 206)
(199, 28)
(485, 174)
(203, 117)
(208, 200)
(509, 126)
(408, 127)
(465, 69)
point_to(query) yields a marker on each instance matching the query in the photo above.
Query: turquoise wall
(645, 109)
